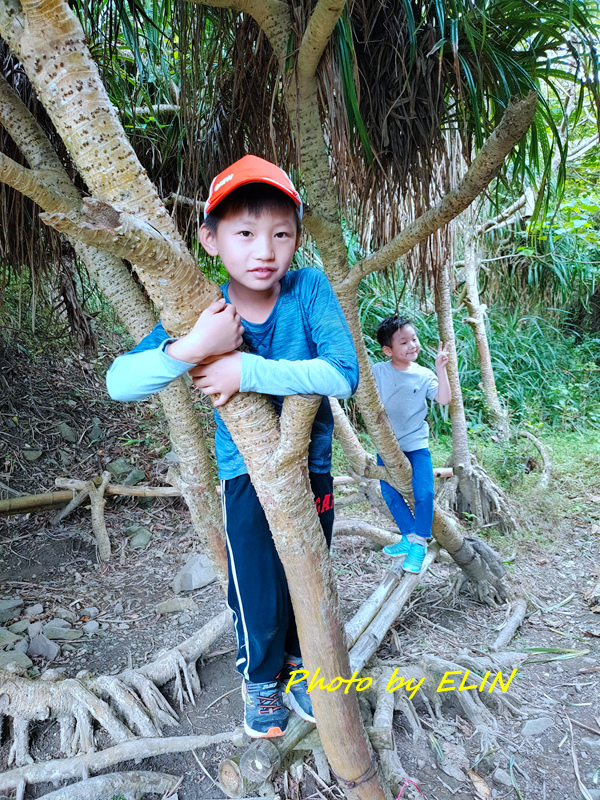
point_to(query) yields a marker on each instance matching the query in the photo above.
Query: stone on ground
(176, 604)
(14, 657)
(43, 647)
(196, 573)
(533, 727)
(10, 608)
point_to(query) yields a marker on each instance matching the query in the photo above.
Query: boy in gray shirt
(404, 388)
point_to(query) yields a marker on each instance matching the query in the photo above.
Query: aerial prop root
(125, 705)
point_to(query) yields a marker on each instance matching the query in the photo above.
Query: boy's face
(405, 346)
(256, 251)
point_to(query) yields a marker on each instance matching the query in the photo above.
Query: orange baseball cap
(250, 169)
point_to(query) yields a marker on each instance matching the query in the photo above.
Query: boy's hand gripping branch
(219, 375)
(218, 330)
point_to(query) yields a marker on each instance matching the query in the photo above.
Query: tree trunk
(470, 491)
(476, 320)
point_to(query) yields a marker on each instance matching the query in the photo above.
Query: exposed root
(546, 472)
(108, 785)
(124, 705)
(513, 622)
(65, 768)
(472, 491)
(483, 566)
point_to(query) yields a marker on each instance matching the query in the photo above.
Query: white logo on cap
(223, 182)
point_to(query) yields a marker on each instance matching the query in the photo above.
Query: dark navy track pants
(258, 593)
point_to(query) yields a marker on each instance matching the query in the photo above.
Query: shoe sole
(395, 555)
(299, 710)
(272, 733)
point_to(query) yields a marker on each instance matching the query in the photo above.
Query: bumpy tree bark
(470, 490)
(47, 182)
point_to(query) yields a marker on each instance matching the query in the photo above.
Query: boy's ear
(298, 237)
(387, 351)
(208, 240)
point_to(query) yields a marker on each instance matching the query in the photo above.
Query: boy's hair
(253, 198)
(388, 328)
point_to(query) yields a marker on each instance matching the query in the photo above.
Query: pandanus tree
(353, 100)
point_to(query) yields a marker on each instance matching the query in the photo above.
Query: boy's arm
(444, 392)
(158, 359)
(333, 371)
(145, 370)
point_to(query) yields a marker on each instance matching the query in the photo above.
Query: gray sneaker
(298, 692)
(265, 716)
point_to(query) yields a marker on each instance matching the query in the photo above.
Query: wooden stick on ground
(513, 622)
(75, 503)
(98, 524)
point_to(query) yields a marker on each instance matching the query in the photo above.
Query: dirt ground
(554, 560)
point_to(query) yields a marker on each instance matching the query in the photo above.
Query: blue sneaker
(298, 692)
(264, 713)
(415, 557)
(399, 549)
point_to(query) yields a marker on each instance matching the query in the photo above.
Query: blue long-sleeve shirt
(304, 347)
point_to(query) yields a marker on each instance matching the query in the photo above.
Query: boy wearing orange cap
(298, 343)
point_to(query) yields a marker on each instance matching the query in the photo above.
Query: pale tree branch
(273, 17)
(24, 129)
(103, 226)
(505, 217)
(32, 141)
(484, 167)
(31, 183)
(362, 463)
(316, 36)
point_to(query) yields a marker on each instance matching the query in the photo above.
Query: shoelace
(269, 703)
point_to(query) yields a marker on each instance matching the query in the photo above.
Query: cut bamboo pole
(372, 637)
(355, 626)
(34, 502)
